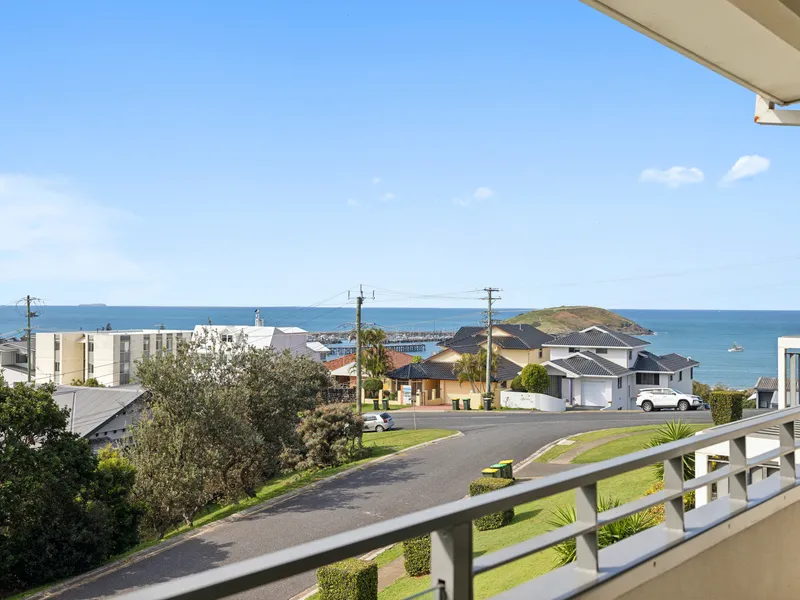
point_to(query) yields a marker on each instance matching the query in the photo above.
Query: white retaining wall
(528, 401)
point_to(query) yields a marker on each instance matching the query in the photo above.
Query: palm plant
(472, 368)
(672, 431)
(375, 357)
(608, 534)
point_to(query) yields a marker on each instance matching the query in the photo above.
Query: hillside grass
(563, 319)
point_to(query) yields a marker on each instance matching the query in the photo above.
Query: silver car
(378, 421)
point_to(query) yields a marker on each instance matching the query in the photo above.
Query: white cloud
(388, 196)
(673, 177)
(52, 233)
(483, 193)
(747, 166)
(376, 180)
(462, 201)
(352, 202)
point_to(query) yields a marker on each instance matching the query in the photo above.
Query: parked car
(657, 398)
(378, 421)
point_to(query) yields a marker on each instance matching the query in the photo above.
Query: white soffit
(755, 43)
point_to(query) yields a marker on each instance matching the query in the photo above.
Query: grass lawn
(583, 438)
(531, 519)
(366, 406)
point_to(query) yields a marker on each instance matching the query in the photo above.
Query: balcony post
(792, 400)
(451, 561)
(586, 509)
(738, 458)
(673, 482)
(788, 472)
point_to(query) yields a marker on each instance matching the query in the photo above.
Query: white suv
(658, 398)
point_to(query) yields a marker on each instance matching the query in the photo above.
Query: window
(169, 342)
(601, 351)
(57, 367)
(691, 373)
(91, 369)
(670, 377)
(541, 353)
(647, 379)
(573, 350)
(146, 346)
(227, 338)
(57, 343)
(159, 344)
(619, 383)
(91, 344)
(630, 354)
(680, 375)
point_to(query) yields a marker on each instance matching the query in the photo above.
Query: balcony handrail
(451, 524)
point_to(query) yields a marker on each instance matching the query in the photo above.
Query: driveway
(404, 484)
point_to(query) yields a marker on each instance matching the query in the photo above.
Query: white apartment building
(108, 356)
(293, 339)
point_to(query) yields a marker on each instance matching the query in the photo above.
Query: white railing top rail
(449, 521)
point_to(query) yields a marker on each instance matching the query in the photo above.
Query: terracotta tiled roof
(399, 359)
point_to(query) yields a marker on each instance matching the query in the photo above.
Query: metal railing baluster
(788, 473)
(586, 512)
(673, 482)
(451, 561)
(738, 458)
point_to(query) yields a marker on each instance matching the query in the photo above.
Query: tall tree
(375, 357)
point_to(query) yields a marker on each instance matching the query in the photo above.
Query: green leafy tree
(535, 379)
(416, 359)
(701, 389)
(471, 368)
(372, 386)
(517, 385)
(50, 527)
(92, 382)
(113, 487)
(331, 436)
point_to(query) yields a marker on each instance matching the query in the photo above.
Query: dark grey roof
(767, 384)
(668, 363)
(533, 338)
(506, 370)
(509, 342)
(463, 333)
(590, 364)
(597, 337)
(94, 405)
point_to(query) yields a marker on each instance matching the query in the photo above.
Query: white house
(14, 361)
(293, 339)
(599, 368)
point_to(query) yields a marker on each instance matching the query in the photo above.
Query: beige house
(108, 356)
(435, 381)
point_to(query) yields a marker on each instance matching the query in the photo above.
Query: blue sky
(277, 153)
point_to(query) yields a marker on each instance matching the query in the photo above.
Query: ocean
(703, 335)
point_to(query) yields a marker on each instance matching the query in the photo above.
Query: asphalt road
(409, 482)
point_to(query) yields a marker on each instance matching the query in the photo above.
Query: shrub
(726, 406)
(608, 534)
(92, 382)
(331, 436)
(372, 386)
(417, 555)
(657, 511)
(516, 384)
(672, 431)
(350, 579)
(701, 389)
(748, 403)
(484, 485)
(535, 379)
(113, 486)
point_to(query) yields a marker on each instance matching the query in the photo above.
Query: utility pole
(359, 302)
(491, 300)
(29, 315)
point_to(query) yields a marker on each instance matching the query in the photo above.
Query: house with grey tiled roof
(600, 368)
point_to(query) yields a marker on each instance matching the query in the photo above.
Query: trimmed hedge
(726, 406)
(417, 555)
(484, 485)
(351, 579)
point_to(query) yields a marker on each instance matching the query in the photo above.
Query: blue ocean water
(703, 335)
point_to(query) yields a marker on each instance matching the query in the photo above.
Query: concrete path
(401, 485)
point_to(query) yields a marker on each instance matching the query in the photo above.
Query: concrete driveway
(404, 484)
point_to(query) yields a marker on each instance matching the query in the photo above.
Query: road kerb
(116, 565)
(524, 463)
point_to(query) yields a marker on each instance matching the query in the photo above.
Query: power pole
(359, 302)
(490, 300)
(29, 315)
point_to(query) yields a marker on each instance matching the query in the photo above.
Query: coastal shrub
(351, 579)
(749, 403)
(330, 436)
(417, 555)
(113, 487)
(516, 384)
(484, 485)
(372, 386)
(566, 552)
(535, 379)
(672, 431)
(701, 389)
(726, 406)
(658, 511)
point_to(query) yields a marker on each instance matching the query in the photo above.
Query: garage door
(595, 393)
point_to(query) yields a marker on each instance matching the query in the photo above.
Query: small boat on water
(736, 348)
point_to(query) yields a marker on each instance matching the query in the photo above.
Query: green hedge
(351, 579)
(726, 406)
(484, 485)
(417, 555)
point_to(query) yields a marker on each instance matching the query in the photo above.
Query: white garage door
(595, 393)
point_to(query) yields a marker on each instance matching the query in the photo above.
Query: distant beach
(703, 335)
